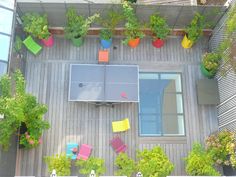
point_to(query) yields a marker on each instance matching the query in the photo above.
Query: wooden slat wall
(226, 84)
(47, 77)
(165, 2)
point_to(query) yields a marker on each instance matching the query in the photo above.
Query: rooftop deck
(47, 77)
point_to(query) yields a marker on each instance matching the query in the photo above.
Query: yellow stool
(120, 126)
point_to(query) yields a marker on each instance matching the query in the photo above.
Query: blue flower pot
(106, 43)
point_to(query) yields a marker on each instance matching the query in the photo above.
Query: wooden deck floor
(47, 77)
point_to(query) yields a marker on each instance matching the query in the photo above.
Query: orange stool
(103, 56)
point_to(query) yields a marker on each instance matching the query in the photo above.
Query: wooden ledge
(120, 31)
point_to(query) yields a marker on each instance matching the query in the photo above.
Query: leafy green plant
(159, 26)
(19, 107)
(92, 163)
(222, 146)
(133, 28)
(194, 29)
(131, 1)
(105, 34)
(34, 122)
(18, 44)
(154, 163)
(211, 62)
(77, 26)
(228, 42)
(126, 165)
(60, 163)
(36, 25)
(199, 162)
(109, 23)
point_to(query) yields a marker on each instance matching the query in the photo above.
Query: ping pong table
(104, 83)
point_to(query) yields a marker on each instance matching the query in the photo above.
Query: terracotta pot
(48, 42)
(134, 42)
(158, 43)
(186, 43)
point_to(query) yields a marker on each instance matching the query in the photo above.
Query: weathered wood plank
(47, 77)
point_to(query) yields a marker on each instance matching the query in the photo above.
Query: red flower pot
(158, 43)
(48, 42)
(134, 42)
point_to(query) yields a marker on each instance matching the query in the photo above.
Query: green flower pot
(205, 72)
(77, 41)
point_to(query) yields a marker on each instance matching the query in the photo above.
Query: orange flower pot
(134, 42)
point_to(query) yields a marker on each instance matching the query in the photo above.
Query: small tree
(60, 163)
(200, 163)
(154, 163)
(19, 108)
(126, 165)
(92, 163)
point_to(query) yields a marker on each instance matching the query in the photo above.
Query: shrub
(126, 165)
(109, 24)
(211, 62)
(200, 163)
(19, 108)
(60, 163)
(154, 163)
(77, 26)
(221, 146)
(92, 163)
(194, 30)
(133, 28)
(159, 26)
(36, 25)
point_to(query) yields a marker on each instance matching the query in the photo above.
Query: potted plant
(60, 163)
(133, 31)
(154, 162)
(131, 1)
(222, 147)
(106, 38)
(210, 64)
(193, 31)
(109, 23)
(160, 30)
(34, 123)
(77, 26)
(126, 165)
(21, 111)
(92, 163)
(199, 162)
(37, 26)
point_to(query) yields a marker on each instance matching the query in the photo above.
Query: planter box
(205, 72)
(229, 171)
(23, 129)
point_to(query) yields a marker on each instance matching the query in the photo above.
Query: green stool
(32, 46)
(207, 92)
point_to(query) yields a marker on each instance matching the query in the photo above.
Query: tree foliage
(60, 163)
(92, 163)
(19, 107)
(200, 163)
(154, 163)
(126, 165)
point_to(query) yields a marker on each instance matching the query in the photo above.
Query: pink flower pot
(48, 42)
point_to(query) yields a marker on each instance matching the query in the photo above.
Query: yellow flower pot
(186, 43)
